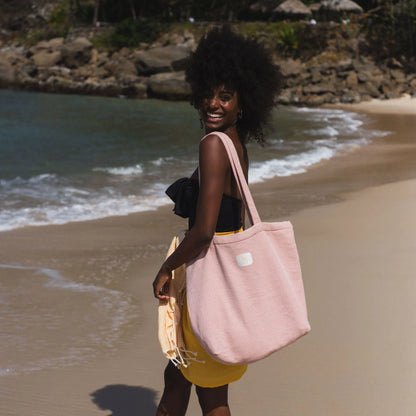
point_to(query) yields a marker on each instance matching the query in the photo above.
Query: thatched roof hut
(315, 7)
(293, 8)
(340, 6)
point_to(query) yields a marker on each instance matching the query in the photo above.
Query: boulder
(184, 38)
(45, 58)
(15, 56)
(120, 67)
(52, 44)
(345, 65)
(26, 71)
(76, 53)
(321, 88)
(161, 59)
(364, 76)
(290, 67)
(316, 75)
(139, 90)
(398, 75)
(317, 100)
(352, 80)
(370, 88)
(170, 86)
(7, 72)
(61, 71)
(350, 97)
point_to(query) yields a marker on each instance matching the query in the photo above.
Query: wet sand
(354, 223)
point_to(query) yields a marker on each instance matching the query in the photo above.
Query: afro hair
(224, 58)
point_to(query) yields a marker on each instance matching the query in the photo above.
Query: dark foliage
(391, 29)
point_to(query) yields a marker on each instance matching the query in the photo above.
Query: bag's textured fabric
(245, 292)
(204, 371)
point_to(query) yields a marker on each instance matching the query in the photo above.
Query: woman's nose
(213, 102)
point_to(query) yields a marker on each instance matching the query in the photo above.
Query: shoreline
(405, 105)
(348, 213)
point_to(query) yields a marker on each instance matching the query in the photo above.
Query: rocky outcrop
(76, 53)
(169, 85)
(73, 65)
(7, 72)
(322, 81)
(161, 59)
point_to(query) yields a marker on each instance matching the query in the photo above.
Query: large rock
(344, 65)
(290, 67)
(162, 59)
(350, 97)
(398, 75)
(76, 53)
(321, 88)
(26, 71)
(7, 72)
(171, 86)
(51, 45)
(45, 58)
(370, 88)
(120, 67)
(352, 80)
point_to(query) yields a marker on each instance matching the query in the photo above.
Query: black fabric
(184, 193)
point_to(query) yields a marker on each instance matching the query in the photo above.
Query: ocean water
(70, 158)
(67, 158)
(40, 328)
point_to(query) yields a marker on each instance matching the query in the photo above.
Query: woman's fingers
(161, 286)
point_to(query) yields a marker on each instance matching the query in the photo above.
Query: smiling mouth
(213, 117)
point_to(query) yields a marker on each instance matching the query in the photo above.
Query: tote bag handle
(242, 185)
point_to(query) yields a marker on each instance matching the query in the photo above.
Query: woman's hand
(161, 284)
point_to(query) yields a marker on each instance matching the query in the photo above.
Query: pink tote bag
(245, 292)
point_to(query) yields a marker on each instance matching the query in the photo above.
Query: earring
(240, 114)
(201, 123)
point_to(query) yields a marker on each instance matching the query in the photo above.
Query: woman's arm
(213, 168)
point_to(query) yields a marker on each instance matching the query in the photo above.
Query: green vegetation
(391, 29)
(130, 33)
(288, 38)
(387, 26)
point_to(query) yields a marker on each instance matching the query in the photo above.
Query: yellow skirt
(204, 371)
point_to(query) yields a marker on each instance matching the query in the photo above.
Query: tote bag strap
(242, 185)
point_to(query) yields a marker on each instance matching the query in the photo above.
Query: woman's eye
(226, 97)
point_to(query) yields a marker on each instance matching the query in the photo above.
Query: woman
(233, 82)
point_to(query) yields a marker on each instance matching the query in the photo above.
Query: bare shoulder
(211, 138)
(212, 143)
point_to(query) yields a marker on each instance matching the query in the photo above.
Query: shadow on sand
(124, 400)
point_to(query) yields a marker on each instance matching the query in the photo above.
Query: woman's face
(219, 110)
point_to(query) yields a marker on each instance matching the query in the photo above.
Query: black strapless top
(184, 193)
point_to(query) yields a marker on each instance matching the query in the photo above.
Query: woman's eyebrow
(227, 91)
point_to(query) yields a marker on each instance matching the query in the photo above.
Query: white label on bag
(244, 259)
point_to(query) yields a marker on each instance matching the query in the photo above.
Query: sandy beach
(354, 223)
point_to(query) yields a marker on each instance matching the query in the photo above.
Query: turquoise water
(70, 158)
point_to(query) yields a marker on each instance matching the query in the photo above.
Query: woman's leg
(214, 401)
(175, 398)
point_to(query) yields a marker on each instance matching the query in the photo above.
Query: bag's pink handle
(242, 185)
